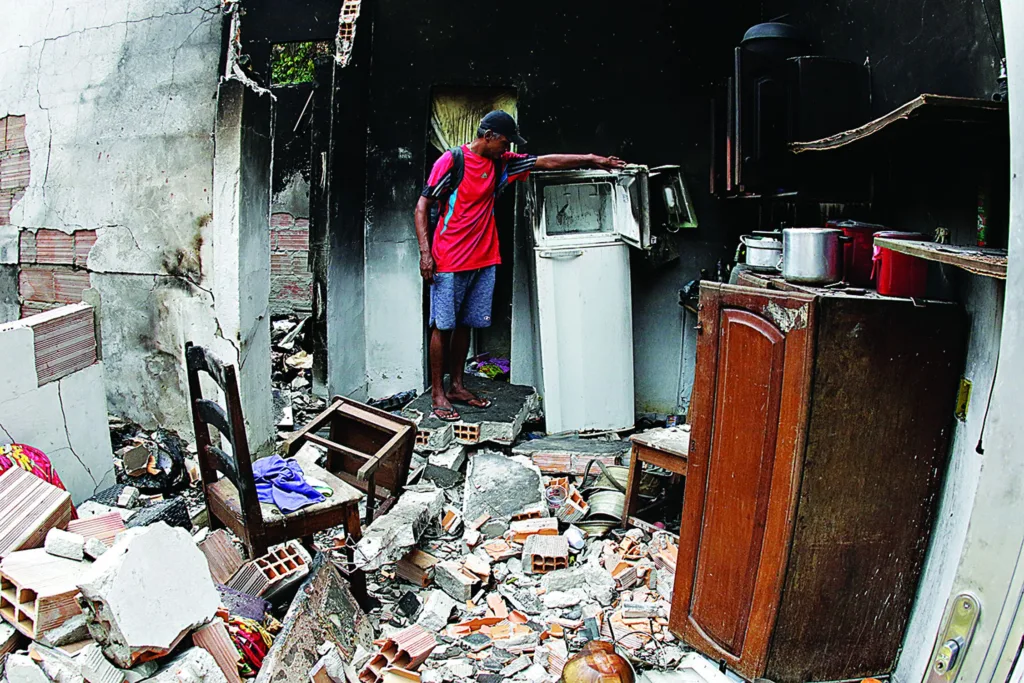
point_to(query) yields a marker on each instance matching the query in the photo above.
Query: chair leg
(354, 532)
(309, 544)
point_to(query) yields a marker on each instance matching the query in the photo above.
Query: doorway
(455, 113)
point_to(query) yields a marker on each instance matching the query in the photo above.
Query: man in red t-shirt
(460, 266)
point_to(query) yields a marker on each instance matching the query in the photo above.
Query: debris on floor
(496, 562)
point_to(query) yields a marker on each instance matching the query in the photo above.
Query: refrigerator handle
(566, 255)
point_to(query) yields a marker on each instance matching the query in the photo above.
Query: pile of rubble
(508, 590)
(490, 565)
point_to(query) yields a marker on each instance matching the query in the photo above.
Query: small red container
(858, 253)
(899, 274)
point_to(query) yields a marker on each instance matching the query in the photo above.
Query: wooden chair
(368, 448)
(231, 500)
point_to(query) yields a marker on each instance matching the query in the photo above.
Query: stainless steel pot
(763, 253)
(812, 256)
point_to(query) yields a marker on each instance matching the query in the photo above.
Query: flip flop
(481, 403)
(446, 414)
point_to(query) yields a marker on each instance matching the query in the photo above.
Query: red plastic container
(858, 261)
(898, 274)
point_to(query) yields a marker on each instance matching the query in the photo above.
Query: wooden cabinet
(819, 432)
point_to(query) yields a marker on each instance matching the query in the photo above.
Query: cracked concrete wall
(241, 181)
(65, 418)
(119, 105)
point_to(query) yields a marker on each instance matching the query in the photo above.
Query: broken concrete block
(542, 554)
(460, 669)
(437, 610)
(65, 544)
(194, 665)
(58, 666)
(323, 610)
(96, 668)
(43, 588)
(73, 630)
(571, 455)
(452, 458)
(591, 578)
(391, 535)
(91, 508)
(501, 487)
(21, 669)
(129, 497)
(562, 599)
(29, 507)
(94, 547)
(144, 594)
(215, 639)
(330, 668)
(521, 663)
(455, 580)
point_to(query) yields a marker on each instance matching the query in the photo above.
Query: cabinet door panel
(747, 398)
(748, 417)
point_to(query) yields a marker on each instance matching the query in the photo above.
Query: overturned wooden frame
(367, 447)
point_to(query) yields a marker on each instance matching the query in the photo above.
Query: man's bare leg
(457, 368)
(439, 341)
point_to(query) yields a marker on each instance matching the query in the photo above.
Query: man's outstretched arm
(559, 162)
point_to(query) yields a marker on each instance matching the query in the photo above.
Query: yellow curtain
(456, 112)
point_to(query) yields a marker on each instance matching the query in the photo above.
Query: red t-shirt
(466, 234)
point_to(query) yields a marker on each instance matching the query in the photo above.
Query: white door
(586, 336)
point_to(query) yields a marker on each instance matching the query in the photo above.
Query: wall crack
(67, 433)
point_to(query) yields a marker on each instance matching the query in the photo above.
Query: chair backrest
(237, 466)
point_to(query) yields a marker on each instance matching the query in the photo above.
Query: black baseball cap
(502, 123)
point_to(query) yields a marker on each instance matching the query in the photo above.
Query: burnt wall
(600, 77)
(947, 47)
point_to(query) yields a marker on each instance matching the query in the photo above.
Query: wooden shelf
(936, 108)
(977, 260)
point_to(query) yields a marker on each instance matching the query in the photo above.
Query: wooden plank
(667, 461)
(941, 107)
(977, 260)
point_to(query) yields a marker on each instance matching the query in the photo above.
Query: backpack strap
(458, 166)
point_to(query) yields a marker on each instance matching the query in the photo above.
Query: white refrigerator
(572, 320)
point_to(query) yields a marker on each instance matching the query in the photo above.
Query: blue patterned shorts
(462, 298)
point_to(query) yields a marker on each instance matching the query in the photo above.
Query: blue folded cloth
(280, 482)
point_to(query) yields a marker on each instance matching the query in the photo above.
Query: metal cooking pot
(812, 256)
(763, 253)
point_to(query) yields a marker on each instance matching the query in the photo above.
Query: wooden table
(664, 447)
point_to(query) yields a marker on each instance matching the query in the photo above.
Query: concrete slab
(501, 487)
(146, 592)
(570, 455)
(390, 536)
(500, 424)
(323, 610)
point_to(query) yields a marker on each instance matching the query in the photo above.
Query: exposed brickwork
(291, 282)
(51, 268)
(14, 169)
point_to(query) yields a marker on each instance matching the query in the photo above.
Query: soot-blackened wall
(600, 77)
